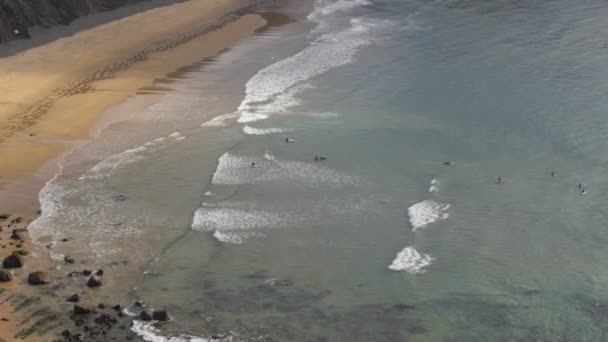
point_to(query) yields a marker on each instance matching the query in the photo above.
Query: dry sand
(51, 96)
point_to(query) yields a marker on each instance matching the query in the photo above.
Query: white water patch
(235, 170)
(264, 131)
(221, 121)
(410, 260)
(180, 138)
(233, 237)
(234, 219)
(434, 185)
(175, 135)
(324, 8)
(148, 332)
(423, 213)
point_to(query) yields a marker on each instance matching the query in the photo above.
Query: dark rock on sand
(99, 272)
(13, 261)
(68, 259)
(116, 307)
(75, 298)
(87, 272)
(79, 310)
(101, 305)
(38, 278)
(105, 319)
(94, 282)
(5, 276)
(18, 234)
(4, 217)
(160, 315)
(145, 315)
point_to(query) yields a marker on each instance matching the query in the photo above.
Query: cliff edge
(17, 16)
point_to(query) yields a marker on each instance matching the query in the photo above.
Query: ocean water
(203, 206)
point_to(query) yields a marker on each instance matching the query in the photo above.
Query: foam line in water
(423, 213)
(410, 260)
(264, 131)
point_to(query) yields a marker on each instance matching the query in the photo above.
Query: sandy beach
(53, 94)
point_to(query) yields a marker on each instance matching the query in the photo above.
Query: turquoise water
(382, 241)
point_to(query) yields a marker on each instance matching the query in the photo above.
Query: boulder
(145, 315)
(18, 234)
(87, 272)
(38, 278)
(75, 298)
(79, 310)
(160, 315)
(94, 282)
(99, 272)
(5, 276)
(13, 261)
(68, 259)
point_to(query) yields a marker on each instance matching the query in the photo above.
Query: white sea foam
(264, 131)
(175, 135)
(434, 185)
(423, 213)
(234, 219)
(180, 138)
(233, 237)
(235, 170)
(148, 332)
(411, 261)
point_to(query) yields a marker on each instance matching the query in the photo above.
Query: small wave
(148, 332)
(221, 121)
(235, 170)
(325, 115)
(263, 131)
(175, 135)
(426, 212)
(411, 261)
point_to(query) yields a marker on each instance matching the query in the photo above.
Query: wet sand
(54, 95)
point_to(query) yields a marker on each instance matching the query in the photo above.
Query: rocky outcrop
(17, 16)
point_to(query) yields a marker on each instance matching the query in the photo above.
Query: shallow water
(381, 241)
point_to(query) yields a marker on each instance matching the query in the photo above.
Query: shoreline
(61, 119)
(35, 149)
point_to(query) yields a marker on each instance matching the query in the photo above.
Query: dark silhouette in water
(448, 163)
(499, 180)
(319, 158)
(553, 174)
(252, 165)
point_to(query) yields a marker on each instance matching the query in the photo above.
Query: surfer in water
(252, 165)
(287, 140)
(448, 163)
(319, 158)
(553, 174)
(499, 180)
